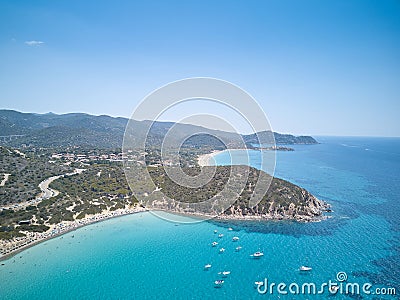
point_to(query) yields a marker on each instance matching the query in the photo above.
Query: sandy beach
(9, 248)
(204, 160)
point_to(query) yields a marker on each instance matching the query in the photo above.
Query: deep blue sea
(144, 257)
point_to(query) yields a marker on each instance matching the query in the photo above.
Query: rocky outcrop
(281, 201)
(293, 203)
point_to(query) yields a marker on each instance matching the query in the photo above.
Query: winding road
(46, 193)
(3, 182)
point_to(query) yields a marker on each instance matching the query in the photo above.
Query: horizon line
(171, 121)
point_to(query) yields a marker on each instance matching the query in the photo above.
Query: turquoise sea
(142, 256)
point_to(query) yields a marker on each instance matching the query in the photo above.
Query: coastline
(266, 217)
(9, 248)
(204, 159)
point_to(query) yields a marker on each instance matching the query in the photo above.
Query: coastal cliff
(282, 201)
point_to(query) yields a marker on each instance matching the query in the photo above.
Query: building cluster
(86, 158)
(151, 158)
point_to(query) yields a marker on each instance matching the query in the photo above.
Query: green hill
(78, 129)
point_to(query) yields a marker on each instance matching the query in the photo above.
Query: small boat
(207, 266)
(215, 231)
(305, 268)
(220, 235)
(257, 283)
(333, 289)
(224, 273)
(230, 228)
(214, 244)
(218, 283)
(222, 250)
(235, 239)
(238, 248)
(257, 254)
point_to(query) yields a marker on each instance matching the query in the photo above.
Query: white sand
(206, 159)
(10, 247)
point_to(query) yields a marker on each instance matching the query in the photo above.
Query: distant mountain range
(79, 129)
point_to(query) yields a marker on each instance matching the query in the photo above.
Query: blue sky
(315, 67)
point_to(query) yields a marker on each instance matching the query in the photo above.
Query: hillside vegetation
(26, 171)
(78, 129)
(100, 187)
(283, 200)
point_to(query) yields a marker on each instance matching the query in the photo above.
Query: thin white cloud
(34, 43)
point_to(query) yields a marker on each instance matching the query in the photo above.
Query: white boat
(235, 239)
(238, 248)
(220, 235)
(207, 266)
(215, 231)
(218, 283)
(333, 289)
(230, 228)
(305, 268)
(214, 244)
(222, 250)
(224, 273)
(257, 283)
(257, 254)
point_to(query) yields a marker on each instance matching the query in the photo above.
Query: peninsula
(60, 172)
(282, 201)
